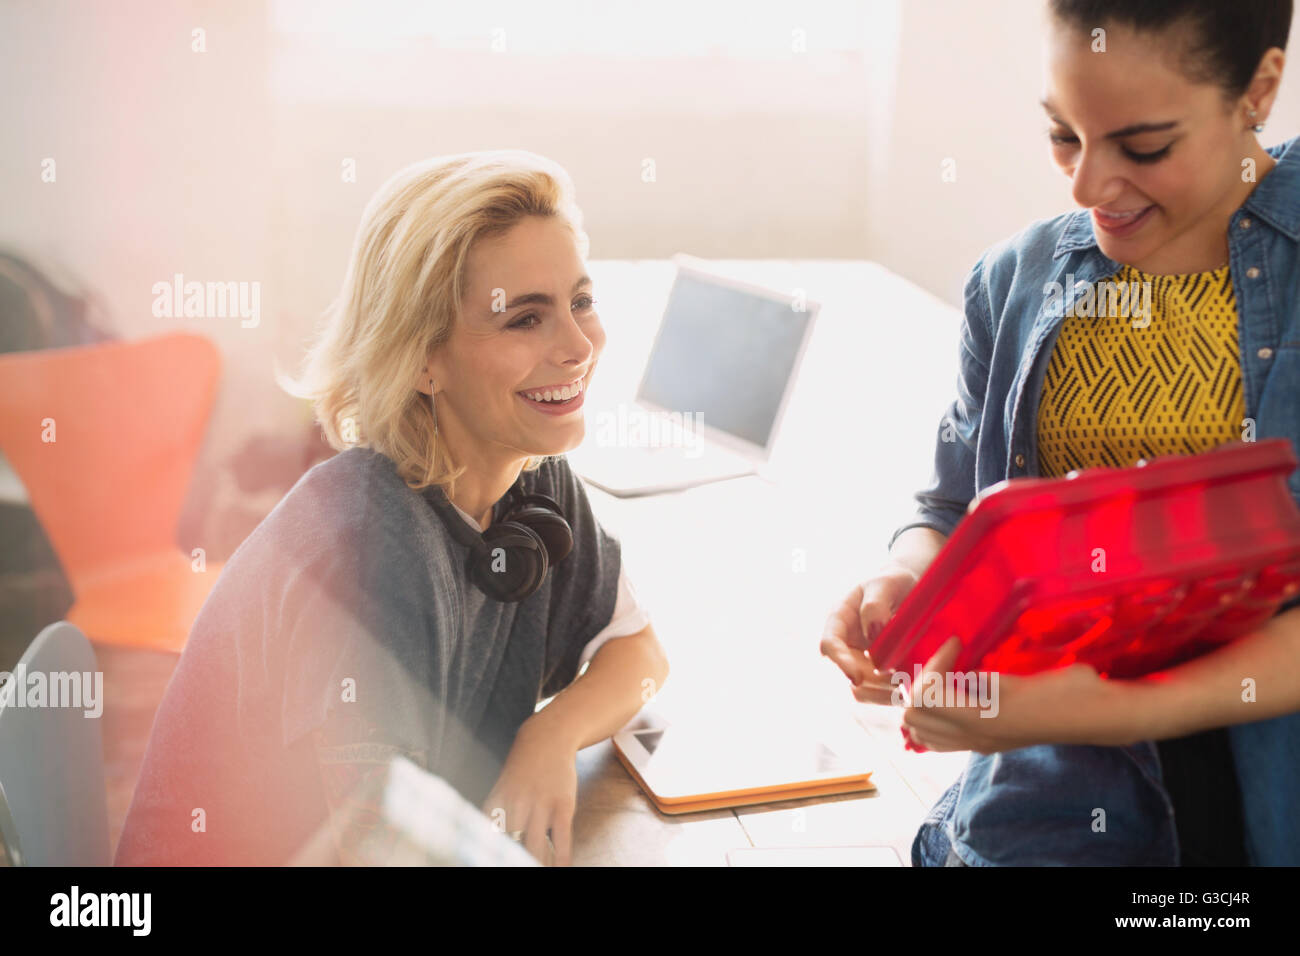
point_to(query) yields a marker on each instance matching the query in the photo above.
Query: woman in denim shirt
(1154, 108)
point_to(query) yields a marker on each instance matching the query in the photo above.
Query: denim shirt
(1037, 805)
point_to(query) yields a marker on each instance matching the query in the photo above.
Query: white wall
(226, 165)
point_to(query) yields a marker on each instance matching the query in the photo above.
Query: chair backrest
(127, 420)
(9, 843)
(52, 758)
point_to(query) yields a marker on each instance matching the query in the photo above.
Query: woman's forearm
(608, 693)
(1254, 678)
(916, 548)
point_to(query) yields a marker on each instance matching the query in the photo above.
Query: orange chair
(127, 420)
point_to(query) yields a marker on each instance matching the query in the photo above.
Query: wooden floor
(134, 682)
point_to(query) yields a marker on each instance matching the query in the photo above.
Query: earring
(433, 407)
(1258, 127)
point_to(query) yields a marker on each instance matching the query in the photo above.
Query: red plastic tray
(1129, 570)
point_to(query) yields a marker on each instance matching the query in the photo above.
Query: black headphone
(509, 561)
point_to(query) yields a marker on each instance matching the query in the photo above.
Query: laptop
(709, 405)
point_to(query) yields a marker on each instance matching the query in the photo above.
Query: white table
(739, 575)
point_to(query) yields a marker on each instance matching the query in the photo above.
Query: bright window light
(667, 28)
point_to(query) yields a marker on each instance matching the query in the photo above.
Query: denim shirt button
(1245, 224)
(1020, 461)
(1252, 273)
(1265, 353)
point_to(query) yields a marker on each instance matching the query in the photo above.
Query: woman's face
(1138, 139)
(527, 328)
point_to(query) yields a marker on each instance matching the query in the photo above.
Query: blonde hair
(401, 295)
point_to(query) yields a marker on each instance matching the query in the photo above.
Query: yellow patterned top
(1149, 367)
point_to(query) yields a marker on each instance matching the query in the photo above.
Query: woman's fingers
(530, 825)
(847, 619)
(851, 630)
(874, 694)
(562, 834)
(853, 663)
(516, 812)
(941, 739)
(927, 722)
(836, 645)
(869, 685)
(937, 744)
(940, 664)
(535, 834)
(494, 808)
(875, 607)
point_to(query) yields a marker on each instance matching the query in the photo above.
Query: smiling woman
(437, 243)
(530, 336)
(1156, 106)
(423, 590)
(1145, 100)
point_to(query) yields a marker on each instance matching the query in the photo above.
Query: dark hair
(1228, 37)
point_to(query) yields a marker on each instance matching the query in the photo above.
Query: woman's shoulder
(332, 485)
(1015, 273)
(332, 502)
(1285, 151)
(1031, 252)
(588, 578)
(1274, 198)
(555, 477)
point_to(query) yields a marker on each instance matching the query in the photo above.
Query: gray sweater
(353, 594)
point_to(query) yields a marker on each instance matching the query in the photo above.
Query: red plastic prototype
(1128, 570)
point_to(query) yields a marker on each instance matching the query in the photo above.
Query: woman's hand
(1068, 705)
(538, 790)
(854, 625)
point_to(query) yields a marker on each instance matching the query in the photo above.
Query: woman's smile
(556, 399)
(1122, 224)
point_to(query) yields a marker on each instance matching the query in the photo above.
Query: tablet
(707, 765)
(1128, 570)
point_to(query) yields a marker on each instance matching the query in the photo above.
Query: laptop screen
(726, 354)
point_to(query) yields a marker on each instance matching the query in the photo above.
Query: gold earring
(433, 407)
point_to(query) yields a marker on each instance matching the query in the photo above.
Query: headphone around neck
(509, 561)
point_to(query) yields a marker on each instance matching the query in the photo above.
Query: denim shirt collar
(1276, 200)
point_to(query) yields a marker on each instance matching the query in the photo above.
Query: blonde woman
(423, 590)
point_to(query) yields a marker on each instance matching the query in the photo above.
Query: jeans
(1053, 806)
